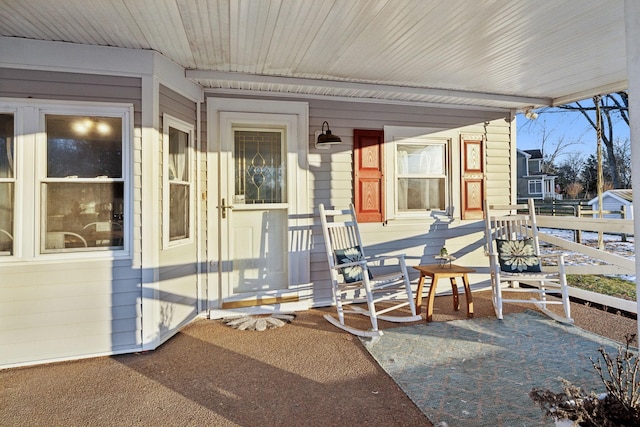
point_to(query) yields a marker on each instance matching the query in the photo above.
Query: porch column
(632, 32)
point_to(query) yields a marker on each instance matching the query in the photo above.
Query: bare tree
(570, 169)
(622, 150)
(614, 107)
(552, 147)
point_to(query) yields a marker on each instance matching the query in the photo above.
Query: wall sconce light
(530, 114)
(326, 138)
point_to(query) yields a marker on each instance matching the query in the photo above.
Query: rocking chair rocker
(352, 279)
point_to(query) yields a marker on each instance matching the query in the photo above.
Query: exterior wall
(98, 302)
(57, 309)
(610, 203)
(331, 183)
(178, 272)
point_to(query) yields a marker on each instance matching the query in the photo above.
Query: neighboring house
(615, 201)
(532, 182)
(140, 190)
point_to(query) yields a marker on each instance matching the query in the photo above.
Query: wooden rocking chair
(353, 281)
(514, 257)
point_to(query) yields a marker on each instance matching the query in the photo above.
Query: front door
(254, 210)
(257, 205)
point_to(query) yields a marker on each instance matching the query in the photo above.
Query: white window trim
(16, 182)
(395, 134)
(30, 140)
(535, 182)
(167, 122)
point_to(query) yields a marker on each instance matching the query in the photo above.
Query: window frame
(442, 145)
(31, 143)
(534, 182)
(421, 136)
(169, 121)
(12, 180)
(538, 166)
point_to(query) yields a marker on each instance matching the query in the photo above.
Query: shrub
(619, 406)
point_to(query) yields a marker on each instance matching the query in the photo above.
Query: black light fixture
(326, 138)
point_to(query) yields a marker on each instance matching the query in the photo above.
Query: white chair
(353, 280)
(64, 239)
(103, 233)
(6, 242)
(514, 257)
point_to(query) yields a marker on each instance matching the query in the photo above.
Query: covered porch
(409, 68)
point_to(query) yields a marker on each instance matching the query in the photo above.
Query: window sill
(418, 220)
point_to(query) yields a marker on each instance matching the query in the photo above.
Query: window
(259, 169)
(535, 166)
(421, 176)
(535, 186)
(7, 183)
(73, 158)
(178, 149)
(83, 189)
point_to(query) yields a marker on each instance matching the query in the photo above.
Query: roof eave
(361, 90)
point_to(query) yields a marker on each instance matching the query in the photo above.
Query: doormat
(259, 322)
(478, 372)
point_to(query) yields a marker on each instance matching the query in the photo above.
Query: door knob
(224, 208)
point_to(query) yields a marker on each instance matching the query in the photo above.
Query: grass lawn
(612, 286)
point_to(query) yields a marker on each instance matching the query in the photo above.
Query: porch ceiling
(489, 53)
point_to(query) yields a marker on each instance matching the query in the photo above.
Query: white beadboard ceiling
(489, 53)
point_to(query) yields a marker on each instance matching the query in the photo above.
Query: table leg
(430, 298)
(456, 296)
(467, 291)
(419, 293)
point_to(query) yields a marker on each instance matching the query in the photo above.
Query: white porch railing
(614, 264)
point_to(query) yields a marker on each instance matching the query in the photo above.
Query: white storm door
(255, 183)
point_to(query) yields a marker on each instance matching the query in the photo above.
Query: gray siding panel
(178, 265)
(77, 307)
(17, 83)
(177, 105)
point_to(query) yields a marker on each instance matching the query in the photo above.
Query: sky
(562, 125)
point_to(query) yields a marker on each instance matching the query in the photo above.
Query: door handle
(224, 208)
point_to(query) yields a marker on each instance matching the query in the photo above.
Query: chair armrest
(369, 260)
(558, 255)
(384, 258)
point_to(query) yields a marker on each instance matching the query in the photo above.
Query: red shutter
(472, 177)
(367, 173)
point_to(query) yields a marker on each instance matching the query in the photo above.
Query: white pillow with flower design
(352, 273)
(518, 256)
